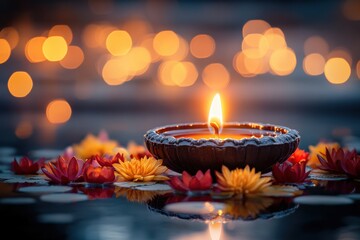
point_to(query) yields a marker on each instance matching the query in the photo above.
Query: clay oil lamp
(200, 146)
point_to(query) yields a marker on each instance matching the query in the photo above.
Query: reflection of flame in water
(215, 229)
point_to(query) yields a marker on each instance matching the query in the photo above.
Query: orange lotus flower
(145, 169)
(352, 167)
(242, 181)
(332, 160)
(290, 173)
(108, 161)
(92, 145)
(199, 182)
(298, 155)
(64, 171)
(319, 149)
(26, 166)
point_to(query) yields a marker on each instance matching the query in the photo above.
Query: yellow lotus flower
(145, 169)
(249, 208)
(242, 181)
(92, 145)
(319, 149)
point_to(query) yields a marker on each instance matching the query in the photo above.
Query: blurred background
(69, 68)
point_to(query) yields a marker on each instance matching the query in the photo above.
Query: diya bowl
(191, 147)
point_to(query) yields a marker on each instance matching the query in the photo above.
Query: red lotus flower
(333, 161)
(108, 161)
(99, 174)
(64, 171)
(26, 166)
(298, 155)
(199, 182)
(351, 166)
(290, 173)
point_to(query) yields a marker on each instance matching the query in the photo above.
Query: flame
(215, 229)
(215, 121)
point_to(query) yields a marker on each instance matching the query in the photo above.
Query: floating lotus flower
(319, 149)
(145, 169)
(188, 183)
(242, 181)
(298, 156)
(333, 160)
(137, 151)
(108, 161)
(92, 145)
(64, 171)
(352, 167)
(290, 173)
(99, 174)
(26, 166)
(248, 183)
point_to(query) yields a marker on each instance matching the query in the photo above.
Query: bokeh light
(166, 43)
(54, 48)
(24, 130)
(184, 74)
(182, 51)
(341, 53)
(255, 26)
(137, 60)
(5, 50)
(283, 61)
(118, 42)
(337, 70)
(58, 111)
(255, 45)
(313, 64)
(316, 44)
(216, 76)
(20, 84)
(33, 50)
(275, 38)
(164, 73)
(73, 59)
(62, 31)
(11, 35)
(358, 69)
(202, 46)
(115, 71)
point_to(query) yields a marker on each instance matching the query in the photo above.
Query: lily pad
(45, 189)
(323, 200)
(26, 180)
(17, 200)
(64, 197)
